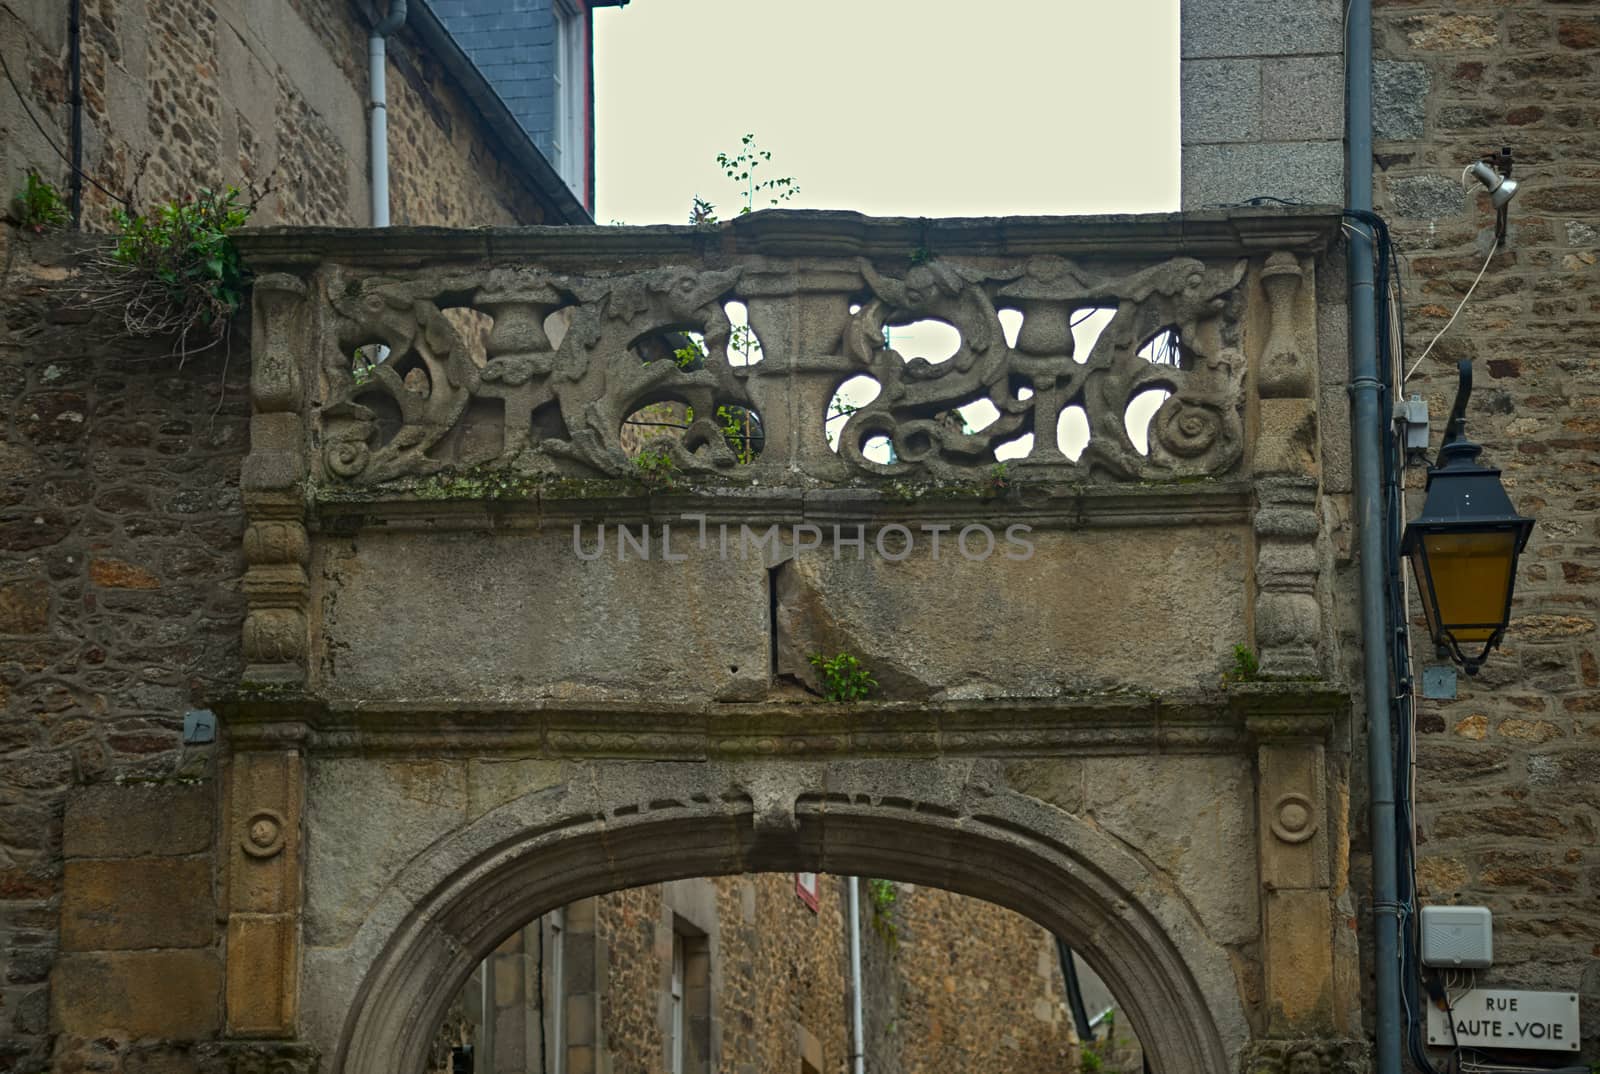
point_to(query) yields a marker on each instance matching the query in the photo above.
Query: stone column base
(258, 1057)
(1307, 1056)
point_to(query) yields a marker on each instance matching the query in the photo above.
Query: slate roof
(513, 43)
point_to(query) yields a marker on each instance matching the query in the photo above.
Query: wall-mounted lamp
(1494, 172)
(1464, 546)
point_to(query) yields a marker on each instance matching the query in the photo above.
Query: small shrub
(175, 270)
(40, 206)
(843, 677)
(655, 469)
(1246, 668)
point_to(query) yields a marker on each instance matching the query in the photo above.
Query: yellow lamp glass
(1466, 581)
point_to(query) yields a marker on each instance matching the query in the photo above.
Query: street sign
(1501, 1018)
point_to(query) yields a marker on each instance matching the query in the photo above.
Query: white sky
(890, 107)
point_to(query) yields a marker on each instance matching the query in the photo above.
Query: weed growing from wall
(881, 896)
(1246, 668)
(843, 677)
(40, 207)
(175, 271)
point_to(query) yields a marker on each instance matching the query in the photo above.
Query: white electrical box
(1457, 937)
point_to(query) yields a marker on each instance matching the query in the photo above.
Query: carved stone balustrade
(582, 320)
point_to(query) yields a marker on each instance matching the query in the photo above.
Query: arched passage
(955, 825)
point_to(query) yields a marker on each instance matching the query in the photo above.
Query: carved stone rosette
(275, 545)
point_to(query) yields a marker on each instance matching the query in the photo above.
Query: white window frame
(556, 1007)
(676, 1049)
(566, 128)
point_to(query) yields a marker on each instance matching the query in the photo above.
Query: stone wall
(192, 93)
(959, 984)
(120, 608)
(1262, 101)
(1509, 814)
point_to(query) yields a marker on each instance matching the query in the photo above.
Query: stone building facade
(1505, 771)
(121, 601)
(125, 595)
(195, 93)
(1508, 771)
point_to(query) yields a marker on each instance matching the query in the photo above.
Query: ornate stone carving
(275, 636)
(1306, 1057)
(1294, 818)
(539, 402)
(274, 542)
(1286, 371)
(263, 834)
(1195, 432)
(1288, 615)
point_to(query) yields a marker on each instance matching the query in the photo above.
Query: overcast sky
(891, 107)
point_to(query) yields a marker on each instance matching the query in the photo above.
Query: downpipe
(1369, 428)
(378, 109)
(857, 1007)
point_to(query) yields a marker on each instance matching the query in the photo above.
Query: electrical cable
(1459, 307)
(23, 100)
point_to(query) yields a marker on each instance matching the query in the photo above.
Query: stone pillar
(585, 984)
(1287, 458)
(262, 835)
(276, 549)
(1297, 832)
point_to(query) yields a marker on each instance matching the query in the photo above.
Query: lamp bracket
(1456, 447)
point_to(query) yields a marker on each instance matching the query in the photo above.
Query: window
(555, 1006)
(676, 1045)
(567, 134)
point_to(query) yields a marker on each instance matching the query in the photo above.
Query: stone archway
(1086, 730)
(951, 824)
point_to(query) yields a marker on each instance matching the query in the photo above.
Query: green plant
(40, 207)
(655, 469)
(999, 475)
(881, 895)
(740, 166)
(176, 268)
(1246, 668)
(843, 677)
(687, 356)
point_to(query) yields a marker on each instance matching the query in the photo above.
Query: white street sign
(1501, 1018)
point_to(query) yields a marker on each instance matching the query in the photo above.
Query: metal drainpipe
(1369, 427)
(857, 1008)
(378, 126)
(75, 91)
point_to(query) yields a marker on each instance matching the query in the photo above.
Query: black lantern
(1464, 546)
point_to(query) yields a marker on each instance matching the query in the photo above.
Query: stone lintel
(401, 505)
(1231, 721)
